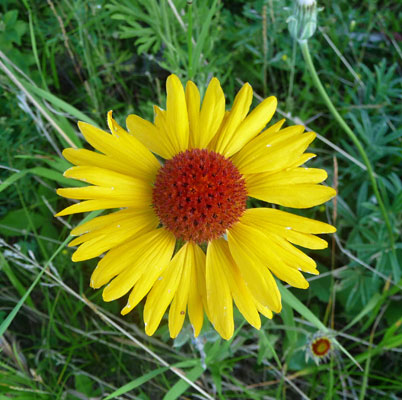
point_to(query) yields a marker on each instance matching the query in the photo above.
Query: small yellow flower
(213, 161)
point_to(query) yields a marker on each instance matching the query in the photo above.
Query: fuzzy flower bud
(303, 21)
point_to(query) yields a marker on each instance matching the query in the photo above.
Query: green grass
(75, 60)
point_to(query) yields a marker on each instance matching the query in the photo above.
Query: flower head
(319, 348)
(183, 236)
(303, 21)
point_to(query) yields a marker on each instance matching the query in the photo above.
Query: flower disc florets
(198, 195)
(321, 346)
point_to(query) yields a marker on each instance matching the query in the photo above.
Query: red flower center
(321, 347)
(198, 195)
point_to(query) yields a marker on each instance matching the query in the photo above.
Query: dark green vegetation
(96, 56)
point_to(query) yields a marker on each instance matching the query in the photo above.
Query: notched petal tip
(196, 332)
(173, 335)
(83, 125)
(273, 102)
(68, 171)
(77, 257)
(66, 152)
(173, 81)
(278, 307)
(106, 296)
(126, 310)
(73, 242)
(110, 120)
(305, 286)
(313, 272)
(331, 192)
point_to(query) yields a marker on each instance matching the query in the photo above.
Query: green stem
(190, 39)
(291, 78)
(350, 133)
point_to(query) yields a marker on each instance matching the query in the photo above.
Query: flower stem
(289, 102)
(190, 40)
(307, 58)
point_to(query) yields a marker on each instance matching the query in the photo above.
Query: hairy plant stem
(309, 62)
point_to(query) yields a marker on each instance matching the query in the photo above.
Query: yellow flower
(196, 199)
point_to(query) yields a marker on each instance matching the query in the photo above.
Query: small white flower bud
(303, 21)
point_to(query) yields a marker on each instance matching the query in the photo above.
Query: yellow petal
(92, 205)
(301, 239)
(124, 148)
(219, 297)
(176, 114)
(240, 292)
(283, 218)
(177, 311)
(145, 261)
(163, 291)
(113, 186)
(247, 154)
(193, 101)
(262, 248)
(288, 177)
(291, 255)
(273, 151)
(149, 277)
(213, 143)
(211, 115)
(302, 195)
(98, 241)
(240, 108)
(302, 160)
(89, 192)
(252, 125)
(118, 259)
(129, 196)
(103, 177)
(112, 219)
(265, 311)
(91, 158)
(114, 127)
(305, 240)
(126, 256)
(197, 297)
(155, 139)
(257, 276)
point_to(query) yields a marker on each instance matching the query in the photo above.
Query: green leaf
(43, 172)
(17, 219)
(181, 386)
(266, 349)
(136, 382)
(61, 104)
(10, 317)
(147, 377)
(5, 267)
(370, 305)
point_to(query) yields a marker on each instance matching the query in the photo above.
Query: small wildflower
(319, 348)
